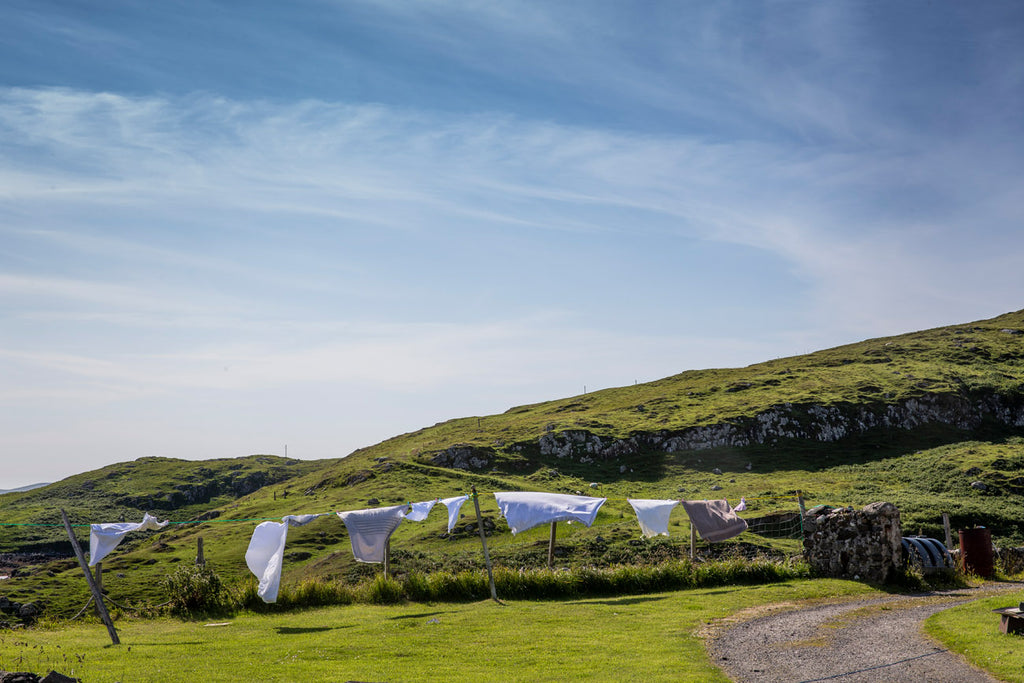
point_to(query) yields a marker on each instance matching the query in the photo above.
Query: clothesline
(271, 519)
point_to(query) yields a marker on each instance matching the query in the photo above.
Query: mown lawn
(973, 631)
(650, 637)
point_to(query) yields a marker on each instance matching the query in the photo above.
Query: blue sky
(230, 227)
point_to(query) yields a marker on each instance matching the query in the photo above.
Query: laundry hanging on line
(369, 530)
(525, 510)
(714, 520)
(652, 515)
(103, 538)
(265, 555)
(454, 505)
(419, 511)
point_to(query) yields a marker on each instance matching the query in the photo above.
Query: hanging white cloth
(419, 511)
(742, 506)
(652, 515)
(265, 555)
(714, 520)
(103, 538)
(525, 510)
(454, 505)
(369, 530)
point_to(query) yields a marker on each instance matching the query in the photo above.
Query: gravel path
(855, 642)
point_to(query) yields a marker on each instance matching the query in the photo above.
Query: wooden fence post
(693, 540)
(483, 541)
(945, 526)
(551, 546)
(96, 594)
(200, 557)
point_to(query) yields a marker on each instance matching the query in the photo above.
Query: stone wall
(1010, 560)
(855, 544)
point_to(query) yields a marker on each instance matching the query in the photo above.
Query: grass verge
(972, 630)
(655, 637)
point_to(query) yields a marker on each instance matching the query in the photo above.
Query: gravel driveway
(853, 642)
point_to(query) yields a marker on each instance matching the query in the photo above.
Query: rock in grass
(18, 677)
(58, 677)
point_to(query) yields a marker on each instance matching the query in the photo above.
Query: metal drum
(976, 551)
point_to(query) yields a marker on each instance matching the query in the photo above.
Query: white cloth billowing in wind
(419, 511)
(524, 510)
(265, 554)
(369, 530)
(652, 515)
(103, 538)
(454, 505)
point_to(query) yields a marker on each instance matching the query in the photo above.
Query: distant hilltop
(25, 488)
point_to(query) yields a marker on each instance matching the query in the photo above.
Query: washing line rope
(274, 519)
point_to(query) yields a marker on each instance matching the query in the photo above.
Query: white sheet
(525, 510)
(265, 555)
(103, 538)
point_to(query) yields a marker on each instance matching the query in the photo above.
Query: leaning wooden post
(483, 541)
(551, 546)
(693, 540)
(96, 594)
(945, 526)
(200, 557)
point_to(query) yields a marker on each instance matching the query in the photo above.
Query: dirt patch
(860, 641)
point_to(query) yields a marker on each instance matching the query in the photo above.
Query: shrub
(196, 590)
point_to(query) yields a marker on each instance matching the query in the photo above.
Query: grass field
(655, 637)
(973, 631)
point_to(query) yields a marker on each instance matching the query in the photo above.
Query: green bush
(196, 590)
(383, 590)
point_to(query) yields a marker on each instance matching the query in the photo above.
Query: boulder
(29, 611)
(58, 677)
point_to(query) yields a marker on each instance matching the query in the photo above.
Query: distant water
(25, 488)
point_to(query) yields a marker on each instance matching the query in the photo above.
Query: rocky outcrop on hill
(235, 484)
(788, 421)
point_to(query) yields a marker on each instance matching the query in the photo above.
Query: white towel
(653, 515)
(369, 530)
(419, 511)
(454, 505)
(525, 510)
(265, 555)
(103, 538)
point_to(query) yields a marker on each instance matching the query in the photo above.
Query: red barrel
(976, 551)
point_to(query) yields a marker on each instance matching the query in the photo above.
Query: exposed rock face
(463, 457)
(789, 421)
(235, 484)
(855, 544)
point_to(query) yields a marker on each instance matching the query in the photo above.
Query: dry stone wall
(861, 544)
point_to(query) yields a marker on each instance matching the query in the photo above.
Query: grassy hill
(932, 421)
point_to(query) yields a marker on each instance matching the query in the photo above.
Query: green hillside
(932, 421)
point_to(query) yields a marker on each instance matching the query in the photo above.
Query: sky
(230, 228)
